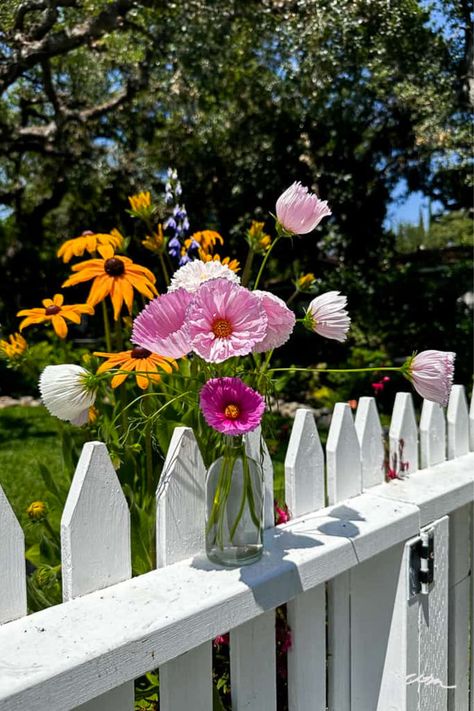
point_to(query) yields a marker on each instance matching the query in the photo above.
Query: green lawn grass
(28, 435)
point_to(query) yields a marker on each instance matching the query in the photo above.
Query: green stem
(248, 267)
(108, 338)
(336, 370)
(265, 259)
(292, 297)
(164, 270)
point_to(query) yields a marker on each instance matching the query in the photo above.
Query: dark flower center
(139, 352)
(222, 328)
(52, 310)
(114, 266)
(232, 411)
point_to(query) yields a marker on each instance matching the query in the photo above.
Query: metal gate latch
(421, 574)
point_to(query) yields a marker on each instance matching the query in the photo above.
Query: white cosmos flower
(327, 316)
(64, 392)
(193, 274)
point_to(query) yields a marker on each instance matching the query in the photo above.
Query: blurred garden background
(366, 102)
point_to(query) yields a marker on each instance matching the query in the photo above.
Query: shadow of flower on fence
(342, 525)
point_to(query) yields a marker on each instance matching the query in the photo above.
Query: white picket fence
(359, 641)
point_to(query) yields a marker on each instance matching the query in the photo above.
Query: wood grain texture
(304, 466)
(432, 434)
(12, 564)
(370, 435)
(458, 423)
(252, 665)
(403, 435)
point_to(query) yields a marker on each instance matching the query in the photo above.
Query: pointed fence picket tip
(256, 447)
(458, 423)
(403, 436)
(343, 456)
(304, 466)
(432, 434)
(95, 526)
(12, 564)
(180, 501)
(371, 440)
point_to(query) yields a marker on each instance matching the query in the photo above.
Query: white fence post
(370, 434)
(12, 564)
(304, 481)
(403, 435)
(256, 448)
(185, 682)
(459, 562)
(95, 545)
(344, 479)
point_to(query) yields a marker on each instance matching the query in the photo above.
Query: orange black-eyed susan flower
(145, 364)
(55, 312)
(233, 264)
(114, 276)
(257, 239)
(89, 242)
(14, 346)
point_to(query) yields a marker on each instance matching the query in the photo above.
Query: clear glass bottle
(234, 495)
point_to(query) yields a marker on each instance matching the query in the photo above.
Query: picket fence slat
(370, 435)
(403, 435)
(12, 564)
(304, 487)
(95, 546)
(344, 478)
(185, 682)
(304, 466)
(432, 434)
(471, 425)
(252, 664)
(458, 423)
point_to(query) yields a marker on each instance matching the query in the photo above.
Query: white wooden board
(370, 435)
(252, 664)
(12, 564)
(403, 436)
(432, 434)
(304, 466)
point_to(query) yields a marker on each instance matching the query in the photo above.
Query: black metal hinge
(421, 573)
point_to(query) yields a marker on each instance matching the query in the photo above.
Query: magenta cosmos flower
(231, 407)
(431, 373)
(161, 326)
(299, 211)
(280, 322)
(225, 320)
(327, 316)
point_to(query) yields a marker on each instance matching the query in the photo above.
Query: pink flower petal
(280, 322)
(247, 404)
(328, 317)
(432, 375)
(300, 211)
(161, 326)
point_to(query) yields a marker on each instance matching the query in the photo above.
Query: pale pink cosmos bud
(431, 373)
(327, 316)
(299, 211)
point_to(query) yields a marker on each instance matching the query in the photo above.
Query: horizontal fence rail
(343, 565)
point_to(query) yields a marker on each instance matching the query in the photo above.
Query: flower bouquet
(200, 354)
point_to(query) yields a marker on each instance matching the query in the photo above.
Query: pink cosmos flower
(230, 406)
(299, 211)
(161, 326)
(431, 373)
(225, 320)
(280, 322)
(327, 316)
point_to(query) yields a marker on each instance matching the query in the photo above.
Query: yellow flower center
(52, 311)
(232, 411)
(222, 328)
